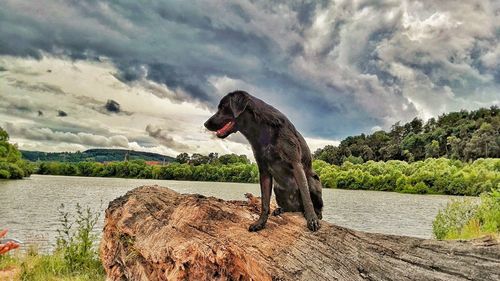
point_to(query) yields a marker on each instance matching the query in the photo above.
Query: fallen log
(154, 233)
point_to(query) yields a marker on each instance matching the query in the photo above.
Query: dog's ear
(238, 103)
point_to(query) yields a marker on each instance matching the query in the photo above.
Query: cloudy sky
(145, 76)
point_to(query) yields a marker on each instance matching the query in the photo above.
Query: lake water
(29, 207)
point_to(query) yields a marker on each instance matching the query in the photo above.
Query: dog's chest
(269, 153)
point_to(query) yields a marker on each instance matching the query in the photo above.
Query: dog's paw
(258, 225)
(278, 211)
(313, 224)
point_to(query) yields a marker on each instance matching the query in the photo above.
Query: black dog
(281, 154)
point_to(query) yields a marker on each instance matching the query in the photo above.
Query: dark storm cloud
(109, 107)
(112, 106)
(336, 68)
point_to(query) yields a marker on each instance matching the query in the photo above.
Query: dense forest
(459, 135)
(11, 164)
(95, 155)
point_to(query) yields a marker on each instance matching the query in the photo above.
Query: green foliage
(11, 164)
(182, 158)
(76, 241)
(75, 257)
(443, 176)
(354, 160)
(465, 219)
(457, 135)
(238, 169)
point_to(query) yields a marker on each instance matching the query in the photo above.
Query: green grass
(75, 257)
(39, 267)
(467, 219)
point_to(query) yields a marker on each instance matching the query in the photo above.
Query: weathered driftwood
(154, 233)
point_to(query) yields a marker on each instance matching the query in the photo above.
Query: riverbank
(74, 258)
(431, 176)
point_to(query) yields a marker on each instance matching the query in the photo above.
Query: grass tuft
(75, 257)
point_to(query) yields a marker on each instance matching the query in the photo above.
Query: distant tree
(432, 149)
(376, 141)
(416, 125)
(11, 164)
(182, 158)
(408, 156)
(454, 147)
(3, 135)
(213, 157)
(354, 160)
(430, 125)
(484, 143)
(329, 154)
(390, 152)
(366, 153)
(415, 144)
(198, 159)
(233, 159)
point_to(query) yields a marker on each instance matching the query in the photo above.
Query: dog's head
(225, 120)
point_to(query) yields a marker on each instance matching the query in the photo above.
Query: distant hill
(95, 155)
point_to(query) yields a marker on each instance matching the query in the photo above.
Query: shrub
(430, 176)
(465, 219)
(75, 257)
(449, 222)
(75, 241)
(421, 188)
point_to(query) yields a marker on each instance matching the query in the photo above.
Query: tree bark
(154, 233)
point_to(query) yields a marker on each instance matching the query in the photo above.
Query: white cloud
(334, 68)
(87, 85)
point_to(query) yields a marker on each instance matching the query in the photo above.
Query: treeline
(11, 164)
(212, 158)
(434, 176)
(95, 155)
(227, 168)
(459, 135)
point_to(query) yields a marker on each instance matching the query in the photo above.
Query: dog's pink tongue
(222, 131)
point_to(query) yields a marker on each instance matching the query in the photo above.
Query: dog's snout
(209, 124)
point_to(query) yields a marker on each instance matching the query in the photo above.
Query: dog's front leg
(300, 178)
(266, 182)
